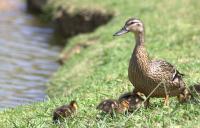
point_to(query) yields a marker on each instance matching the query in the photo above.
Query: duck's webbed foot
(184, 96)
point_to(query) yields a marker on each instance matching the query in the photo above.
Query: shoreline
(95, 64)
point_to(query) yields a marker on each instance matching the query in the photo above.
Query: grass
(100, 70)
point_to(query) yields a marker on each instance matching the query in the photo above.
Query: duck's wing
(165, 70)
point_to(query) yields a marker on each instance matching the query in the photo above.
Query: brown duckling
(195, 88)
(64, 111)
(135, 100)
(113, 106)
(154, 78)
(108, 106)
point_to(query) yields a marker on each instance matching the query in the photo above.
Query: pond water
(27, 59)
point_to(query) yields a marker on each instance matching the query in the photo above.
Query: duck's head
(132, 25)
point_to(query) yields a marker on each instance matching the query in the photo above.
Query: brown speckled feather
(145, 74)
(158, 78)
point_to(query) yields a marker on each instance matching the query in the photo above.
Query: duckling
(154, 78)
(64, 111)
(111, 106)
(108, 106)
(195, 88)
(135, 100)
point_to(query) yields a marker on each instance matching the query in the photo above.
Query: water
(27, 59)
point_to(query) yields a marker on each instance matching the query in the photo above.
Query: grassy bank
(99, 71)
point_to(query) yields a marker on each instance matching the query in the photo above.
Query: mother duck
(154, 78)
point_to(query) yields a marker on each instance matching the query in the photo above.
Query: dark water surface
(27, 60)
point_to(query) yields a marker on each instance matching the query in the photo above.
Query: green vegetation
(100, 70)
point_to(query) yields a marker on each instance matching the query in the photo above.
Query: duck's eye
(132, 22)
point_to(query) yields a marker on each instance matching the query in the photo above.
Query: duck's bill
(121, 32)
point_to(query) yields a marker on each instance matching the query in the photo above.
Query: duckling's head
(125, 104)
(132, 25)
(141, 96)
(73, 104)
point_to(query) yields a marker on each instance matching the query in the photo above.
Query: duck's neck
(139, 39)
(140, 56)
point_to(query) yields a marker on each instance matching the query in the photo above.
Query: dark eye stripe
(132, 22)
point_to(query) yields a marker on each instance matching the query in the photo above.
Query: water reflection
(26, 58)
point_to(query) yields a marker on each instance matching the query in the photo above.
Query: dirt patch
(76, 49)
(70, 24)
(71, 20)
(66, 55)
(36, 6)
